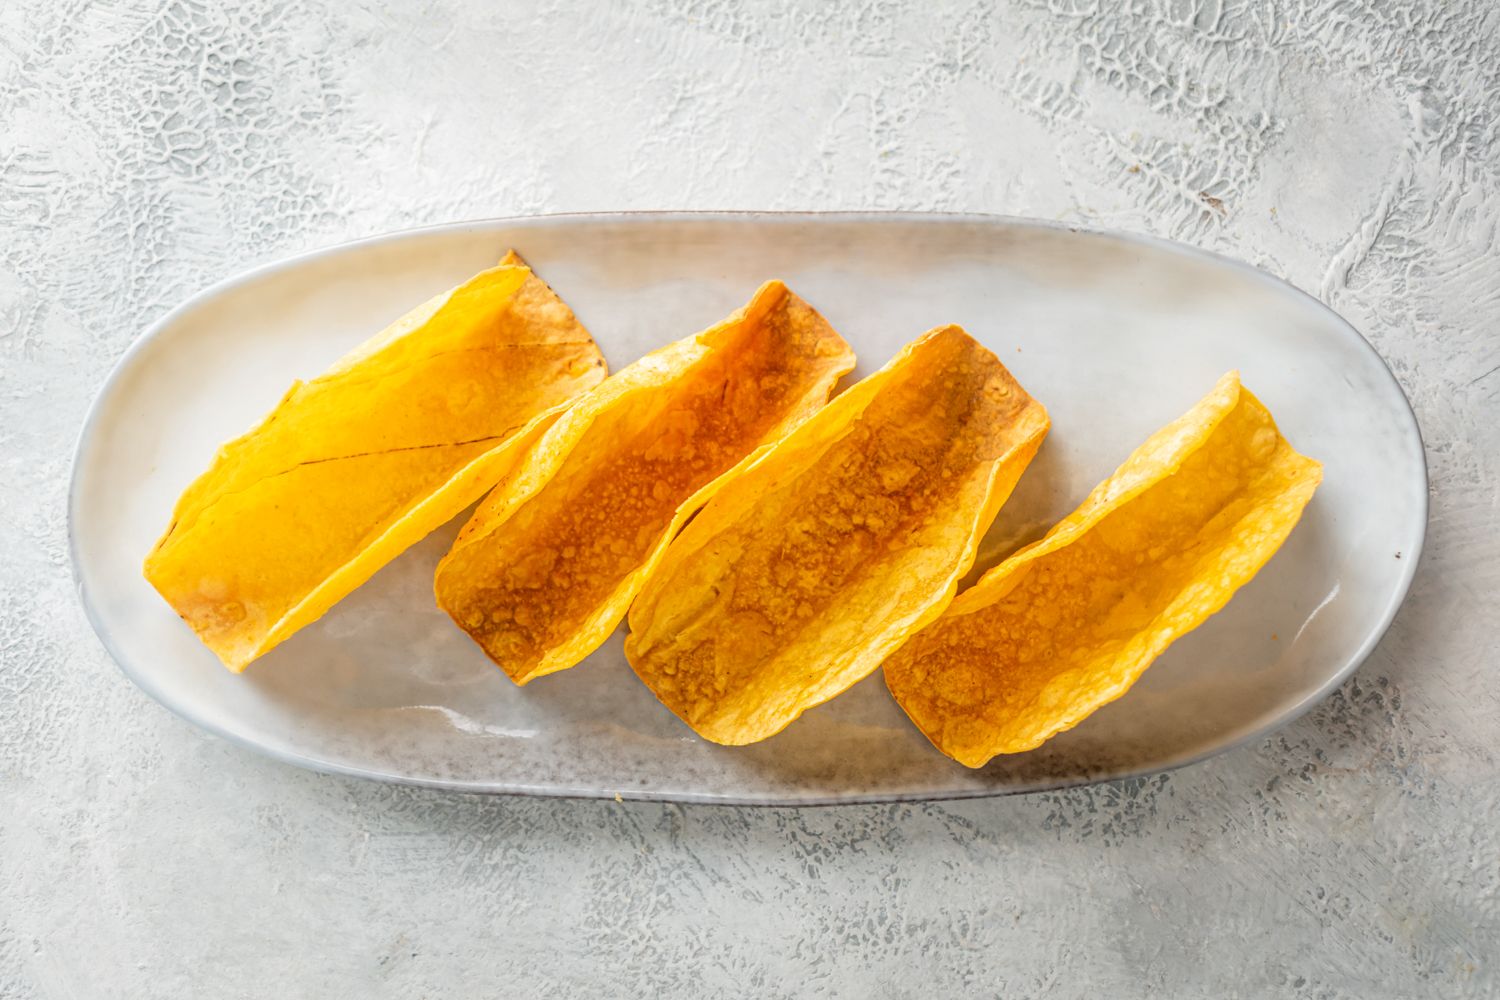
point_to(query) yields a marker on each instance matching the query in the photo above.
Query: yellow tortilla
(849, 534)
(548, 565)
(1070, 623)
(357, 464)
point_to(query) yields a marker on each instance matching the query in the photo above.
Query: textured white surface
(149, 148)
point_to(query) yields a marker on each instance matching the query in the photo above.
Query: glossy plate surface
(1115, 334)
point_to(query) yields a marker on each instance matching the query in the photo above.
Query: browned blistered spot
(893, 470)
(538, 578)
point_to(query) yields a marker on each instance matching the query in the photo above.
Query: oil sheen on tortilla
(804, 572)
(357, 464)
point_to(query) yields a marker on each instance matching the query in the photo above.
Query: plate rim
(541, 220)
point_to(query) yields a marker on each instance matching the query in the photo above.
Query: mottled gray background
(149, 148)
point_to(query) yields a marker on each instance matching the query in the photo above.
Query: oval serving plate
(1115, 334)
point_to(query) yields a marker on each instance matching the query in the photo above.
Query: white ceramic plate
(1115, 334)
